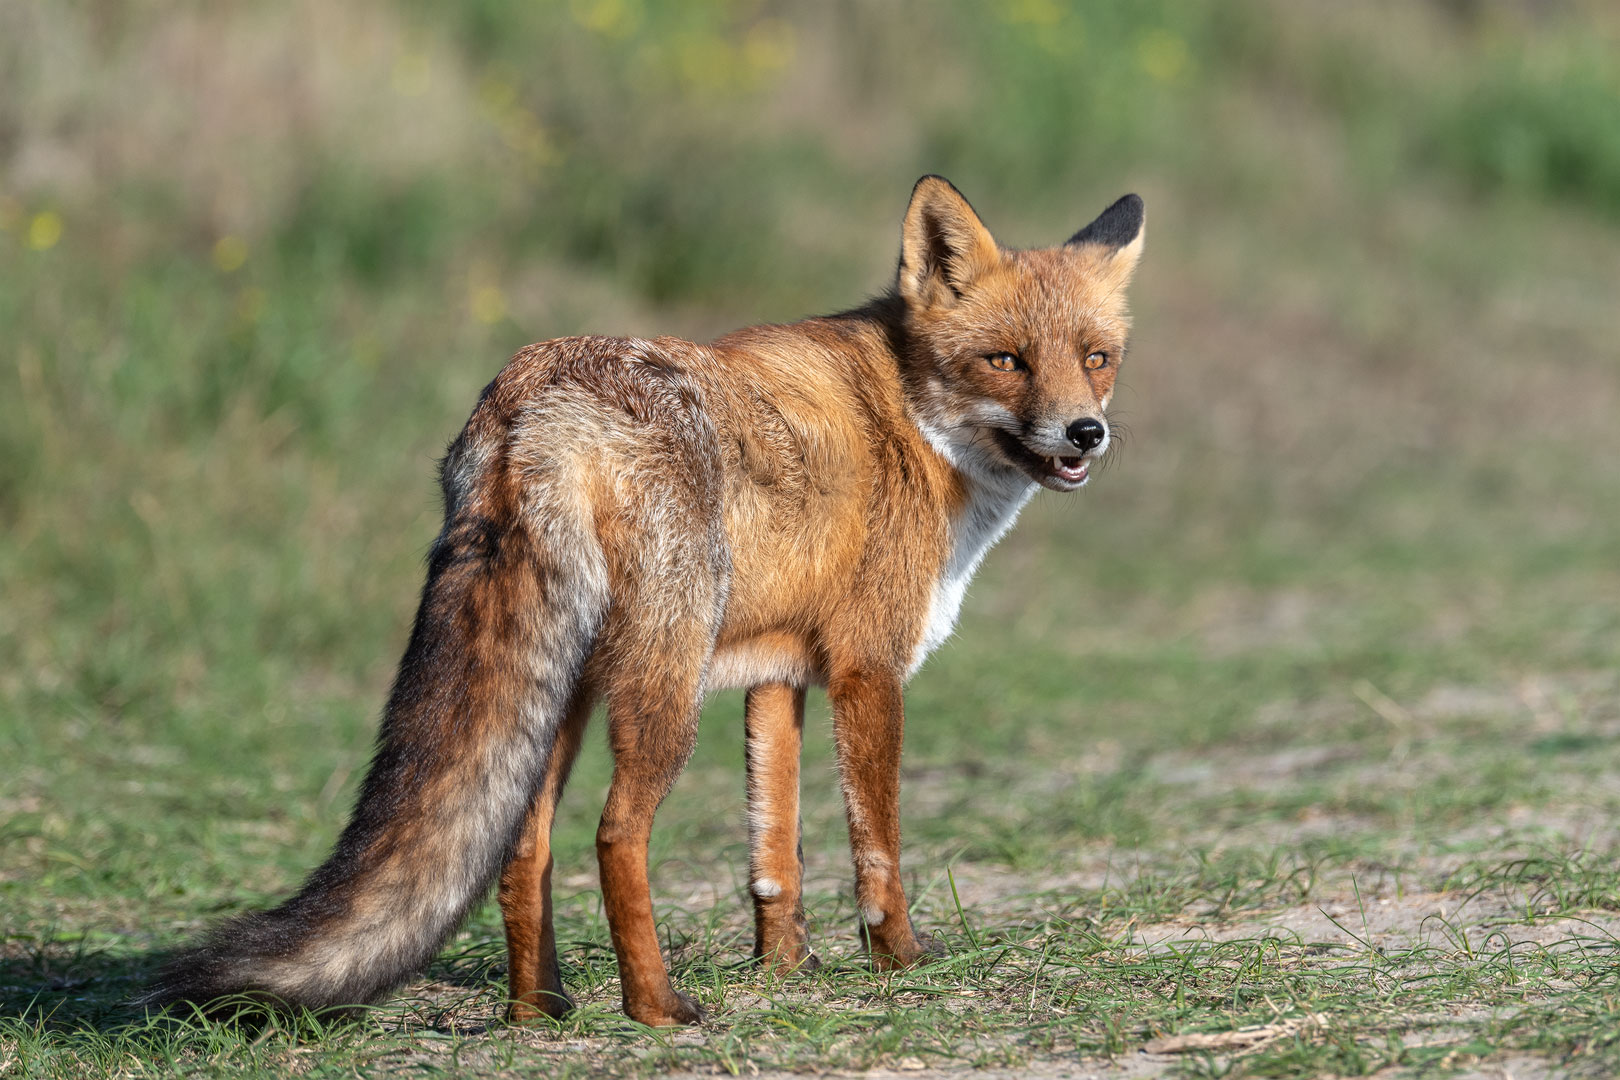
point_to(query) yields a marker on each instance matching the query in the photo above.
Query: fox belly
(766, 659)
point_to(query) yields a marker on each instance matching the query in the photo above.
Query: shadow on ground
(69, 986)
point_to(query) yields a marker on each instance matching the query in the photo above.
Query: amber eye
(1096, 360)
(1003, 361)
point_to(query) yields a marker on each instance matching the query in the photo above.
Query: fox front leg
(774, 719)
(868, 727)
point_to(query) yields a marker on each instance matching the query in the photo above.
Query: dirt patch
(1453, 922)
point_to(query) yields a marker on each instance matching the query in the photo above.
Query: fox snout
(1055, 455)
(1086, 434)
(1082, 436)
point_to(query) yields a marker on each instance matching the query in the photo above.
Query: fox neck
(995, 491)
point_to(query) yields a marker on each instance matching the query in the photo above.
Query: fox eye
(1003, 361)
(1096, 360)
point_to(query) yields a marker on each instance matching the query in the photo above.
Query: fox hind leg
(774, 719)
(655, 484)
(534, 979)
(654, 653)
(652, 730)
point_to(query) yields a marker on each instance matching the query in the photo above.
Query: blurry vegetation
(256, 261)
(245, 246)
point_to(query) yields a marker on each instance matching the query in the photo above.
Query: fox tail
(514, 600)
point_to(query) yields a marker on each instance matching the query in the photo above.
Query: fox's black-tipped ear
(944, 246)
(1115, 227)
(1118, 231)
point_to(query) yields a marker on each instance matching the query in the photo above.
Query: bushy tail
(507, 621)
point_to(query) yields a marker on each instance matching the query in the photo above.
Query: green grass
(1301, 719)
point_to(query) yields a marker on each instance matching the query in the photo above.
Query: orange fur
(839, 514)
(638, 522)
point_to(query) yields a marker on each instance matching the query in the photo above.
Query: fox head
(1017, 351)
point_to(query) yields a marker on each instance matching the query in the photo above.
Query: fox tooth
(1057, 463)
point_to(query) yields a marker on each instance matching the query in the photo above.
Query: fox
(638, 523)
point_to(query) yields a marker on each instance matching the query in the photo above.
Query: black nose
(1087, 434)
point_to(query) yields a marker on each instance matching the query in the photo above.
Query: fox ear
(1117, 230)
(944, 247)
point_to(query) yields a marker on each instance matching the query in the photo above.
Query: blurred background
(256, 261)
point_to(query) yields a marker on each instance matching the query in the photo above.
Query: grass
(1288, 748)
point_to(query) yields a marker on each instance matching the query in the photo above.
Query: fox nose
(1087, 434)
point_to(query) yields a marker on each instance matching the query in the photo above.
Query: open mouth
(1054, 472)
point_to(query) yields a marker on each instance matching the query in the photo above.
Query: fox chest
(984, 519)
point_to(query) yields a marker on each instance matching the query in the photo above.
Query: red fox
(640, 522)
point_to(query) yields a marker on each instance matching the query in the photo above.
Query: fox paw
(921, 949)
(784, 959)
(675, 1010)
(553, 1004)
(784, 950)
